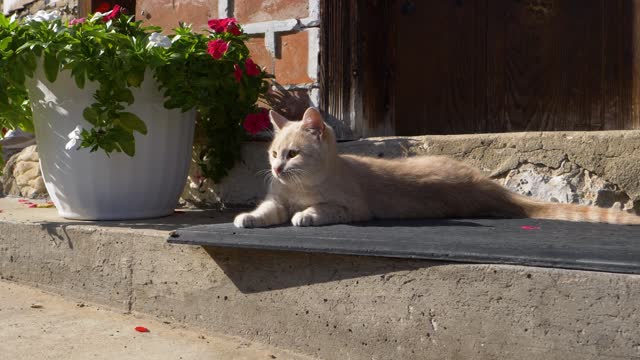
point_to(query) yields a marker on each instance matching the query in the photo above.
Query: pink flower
(113, 14)
(222, 25)
(252, 68)
(237, 72)
(217, 48)
(255, 123)
(77, 21)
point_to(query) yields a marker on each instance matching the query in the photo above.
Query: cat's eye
(292, 153)
(274, 154)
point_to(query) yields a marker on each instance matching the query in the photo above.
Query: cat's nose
(278, 169)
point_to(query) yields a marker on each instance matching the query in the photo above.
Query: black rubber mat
(584, 246)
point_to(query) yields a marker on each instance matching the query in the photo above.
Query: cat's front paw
(303, 219)
(246, 220)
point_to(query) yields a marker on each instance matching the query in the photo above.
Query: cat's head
(301, 151)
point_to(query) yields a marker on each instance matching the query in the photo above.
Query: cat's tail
(571, 212)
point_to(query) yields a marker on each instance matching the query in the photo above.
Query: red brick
(168, 13)
(260, 55)
(250, 11)
(291, 68)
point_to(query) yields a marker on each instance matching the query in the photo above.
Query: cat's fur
(313, 185)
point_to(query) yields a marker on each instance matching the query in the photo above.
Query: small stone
(36, 306)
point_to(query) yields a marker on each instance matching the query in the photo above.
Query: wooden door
(465, 66)
(409, 67)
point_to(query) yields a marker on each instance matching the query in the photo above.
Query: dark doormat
(584, 246)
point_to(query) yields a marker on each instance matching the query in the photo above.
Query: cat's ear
(312, 120)
(277, 120)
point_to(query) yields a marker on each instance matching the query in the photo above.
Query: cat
(313, 185)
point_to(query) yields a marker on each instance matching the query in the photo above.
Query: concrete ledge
(331, 307)
(600, 168)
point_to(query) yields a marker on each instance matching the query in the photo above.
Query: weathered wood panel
(440, 47)
(548, 57)
(505, 65)
(374, 71)
(339, 23)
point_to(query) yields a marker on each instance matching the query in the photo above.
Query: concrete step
(39, 325)
(325, 306)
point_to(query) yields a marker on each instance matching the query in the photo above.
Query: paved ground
(38, 325)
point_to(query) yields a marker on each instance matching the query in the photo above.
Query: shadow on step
(254, 271)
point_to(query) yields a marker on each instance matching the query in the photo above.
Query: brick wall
(284, 40)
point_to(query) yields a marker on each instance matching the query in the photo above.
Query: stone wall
(66, 7)
(21, 175)
(593, 168)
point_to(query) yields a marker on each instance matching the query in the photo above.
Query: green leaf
(51, 66)
(125, 95)
(126, 141)
(135, 78)
(91, 115)
(4, 43)
(133, 122)
(80, 80)
(78, 76)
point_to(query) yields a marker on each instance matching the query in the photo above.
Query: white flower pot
(94, 186)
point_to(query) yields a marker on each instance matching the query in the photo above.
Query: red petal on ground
(141, 329)
(528, 227)
(33, 205)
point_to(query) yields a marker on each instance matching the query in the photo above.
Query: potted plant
(113, 106)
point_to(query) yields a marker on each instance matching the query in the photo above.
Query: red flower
(254, 123)
(103, 7)
(114, 14)
(237, 72)
(252, 68)
(234, 29)
(77, 21)
(216, 25)
(222, 25)
(217, 48)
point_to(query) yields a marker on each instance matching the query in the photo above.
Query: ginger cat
(313, 185)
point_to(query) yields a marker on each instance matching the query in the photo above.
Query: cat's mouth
(285, 177)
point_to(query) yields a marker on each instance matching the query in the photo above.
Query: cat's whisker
(267, 176)
(263, 172)
(271, 133)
